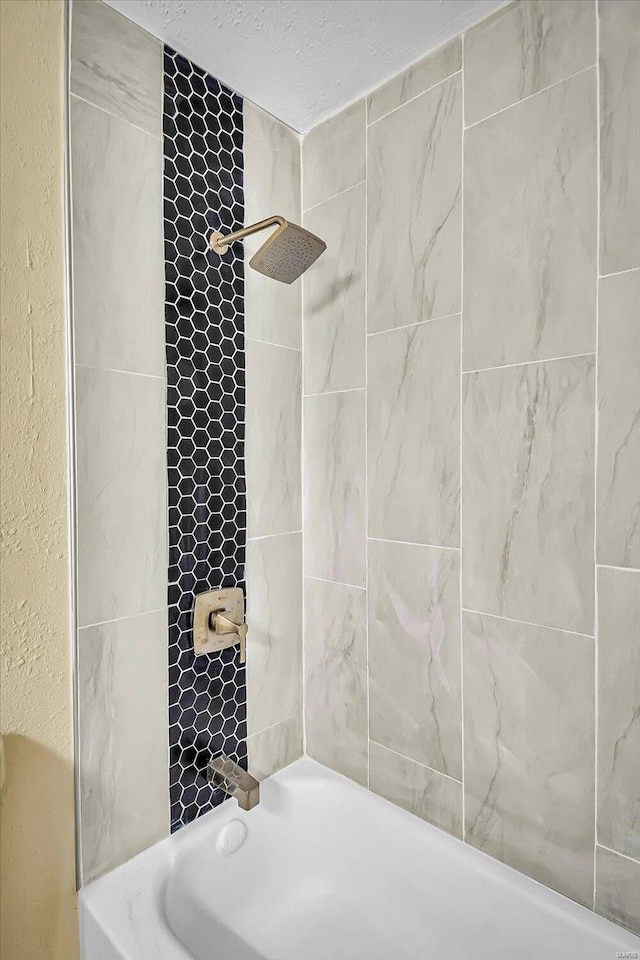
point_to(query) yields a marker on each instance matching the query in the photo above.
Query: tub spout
(224, 773)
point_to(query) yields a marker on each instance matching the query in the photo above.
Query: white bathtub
(328, 871)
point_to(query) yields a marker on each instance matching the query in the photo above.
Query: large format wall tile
(530, 213)
(618, 710)
(118, 275)
(122, 510)
(414, 653)
(619, 134)
(273, 311)
(414, 210)
(618, 481)
(523, 48)
(529, 750)
(421, 791)
(413, 415)
(334, 296)
(115, 65)
(334, 495)
(421, 76)
(527, 492)
(618, 888)
(335, 667)
(334, 155)
(275, 748)
(274, 641)
(273, 439)
(123, 749)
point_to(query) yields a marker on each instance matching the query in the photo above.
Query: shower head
(289, 251)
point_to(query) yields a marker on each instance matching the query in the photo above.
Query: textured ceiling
(303, 60)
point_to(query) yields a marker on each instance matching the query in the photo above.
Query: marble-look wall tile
(116, 65)
(619, 22)
(334, 155)
(334, 495)
(414, 653)
(618, 888)
(417, 78)
(416, 788)
(413, 414)
(275, 748)
(530, 210)
(618, 481)
(123, 750)
(523, 48)
(619, 710)
(273, 311)
(335, 667)
(334, 296)
(121, 495)
(529, 750)
(273, 439)
(414, 210)
(118, 275)
(527, 492)
(272, 133)
(274, 640)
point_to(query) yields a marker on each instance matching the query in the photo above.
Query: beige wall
(37, 821)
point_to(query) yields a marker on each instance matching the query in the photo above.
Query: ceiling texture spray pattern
(304, 61)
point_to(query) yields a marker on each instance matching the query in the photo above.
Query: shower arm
(220, 243)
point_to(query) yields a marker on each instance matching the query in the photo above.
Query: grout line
(417, 323)
(616, 273)
(609, 566)
(463, 826)
(114, 116)
(411, 99)
(303, 664)
(270, 343)
(497, 113)
(329, 393)
(314, 206)
(366, 427)
(340, 193)
(256, 733)
(337, 583)
(596, 611)
(128, 616)
(527, 623)
(413, 543)
(417, 762)
(269, 536)
(528, 363)
(624, 856)
(128, 373)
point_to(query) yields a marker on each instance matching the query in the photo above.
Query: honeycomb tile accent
(204, 322)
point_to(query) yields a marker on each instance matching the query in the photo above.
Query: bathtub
(324, 870)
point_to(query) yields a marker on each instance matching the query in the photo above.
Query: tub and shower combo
(322, 869)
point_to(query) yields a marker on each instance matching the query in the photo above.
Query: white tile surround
(508, 212)
(442, 446)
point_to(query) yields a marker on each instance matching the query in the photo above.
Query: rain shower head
(289, 251)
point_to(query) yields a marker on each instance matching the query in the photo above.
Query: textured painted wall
(37, 803)
(454, 492)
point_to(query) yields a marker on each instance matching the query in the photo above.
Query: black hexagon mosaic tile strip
(204, 315)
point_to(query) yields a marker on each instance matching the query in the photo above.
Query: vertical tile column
(204, 311)
(617, 886)
(335, 666)
(274, 549)
(414, 208)
(118, 330)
